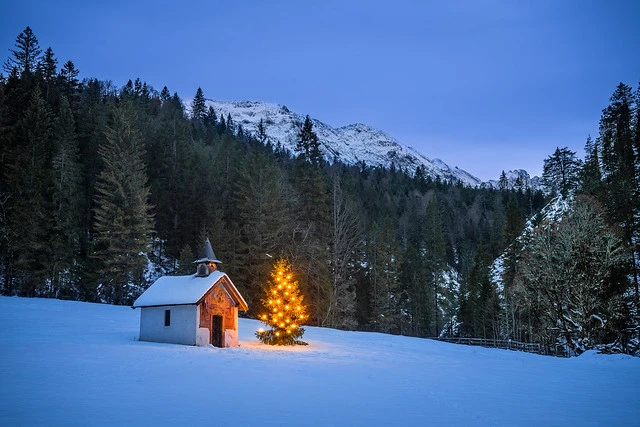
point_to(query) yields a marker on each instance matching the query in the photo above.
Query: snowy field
(68, 363)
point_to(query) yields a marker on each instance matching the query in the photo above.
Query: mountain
(519, 179)
(350, 144)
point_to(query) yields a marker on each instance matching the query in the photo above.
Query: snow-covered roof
(184, 290)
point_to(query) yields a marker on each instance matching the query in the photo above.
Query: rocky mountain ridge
(351, 144)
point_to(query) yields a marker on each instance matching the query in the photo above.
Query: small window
(167, 318)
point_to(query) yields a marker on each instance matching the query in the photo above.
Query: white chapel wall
(182, 329)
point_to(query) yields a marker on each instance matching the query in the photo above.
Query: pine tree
(48, 68)
(568, 279)
(308, 144)
(345, 239)
(165, 96)
(383, 273)
(230, 125)
(123, 222)
(29, 181)
(284, 308)
(479, 309)
(69, 78)
(561, 170)
(25, 57)
(435, 253)
(591, 177)
(513, 226)
(636, 128)
(416, 280)
(198, 108)
(185, 261)
(168, 173)
(620, 183)
(211, 117)
(264, 213)
(503, 183)
(262, 132)
(67, 197)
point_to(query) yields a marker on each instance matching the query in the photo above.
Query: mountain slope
(554, 211)
(67, 363)
(350, 144)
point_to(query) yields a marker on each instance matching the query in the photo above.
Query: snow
(350, 144)
(177, 290)
(71, 363)
(534, 183)
(552, 213)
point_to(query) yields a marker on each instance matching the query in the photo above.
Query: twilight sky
(484, 85)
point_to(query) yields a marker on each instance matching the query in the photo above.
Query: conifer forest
(105, 188)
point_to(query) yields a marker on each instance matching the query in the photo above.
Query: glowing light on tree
(285, 311)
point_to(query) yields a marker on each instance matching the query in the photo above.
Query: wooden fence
(508, 345)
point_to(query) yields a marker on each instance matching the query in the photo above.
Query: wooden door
(216, 331)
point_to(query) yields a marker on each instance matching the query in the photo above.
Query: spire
(206, 254)
(207, 262)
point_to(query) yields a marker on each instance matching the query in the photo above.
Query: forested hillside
(104, 188)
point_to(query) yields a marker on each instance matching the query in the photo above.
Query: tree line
(104, 188)
(573, 280)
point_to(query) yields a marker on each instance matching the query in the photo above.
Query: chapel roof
(187, 290)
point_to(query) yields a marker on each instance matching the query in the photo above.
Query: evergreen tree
(284, 308)
(383, 271)
(67, 198)
(262, 201)
(211, 117)
(165, 96)
(417, 281)
(513, 227)
(591, 177)
(29, 181)
(619, 170)
(567, 278)
(636, 130)
(48, 68)
(435, 252)
(198, 107)
(69, 78)
(262, 132)
(25, 57)
(230, 125)
(185, 261)
(503, 183)
(479, 307)
(169, 175)
(308, 144)
(561, 170)
(345, 239)
(123, 222)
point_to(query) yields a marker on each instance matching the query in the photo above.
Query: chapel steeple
(207, 261)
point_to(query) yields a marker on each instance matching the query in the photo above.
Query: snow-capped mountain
(518, 178)
(349, 144)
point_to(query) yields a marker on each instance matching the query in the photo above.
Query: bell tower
(206, 262)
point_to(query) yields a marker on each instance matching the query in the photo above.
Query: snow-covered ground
(71, 363)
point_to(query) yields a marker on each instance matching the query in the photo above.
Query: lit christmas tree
(284, 309)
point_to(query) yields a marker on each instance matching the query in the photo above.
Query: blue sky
(483, 85)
